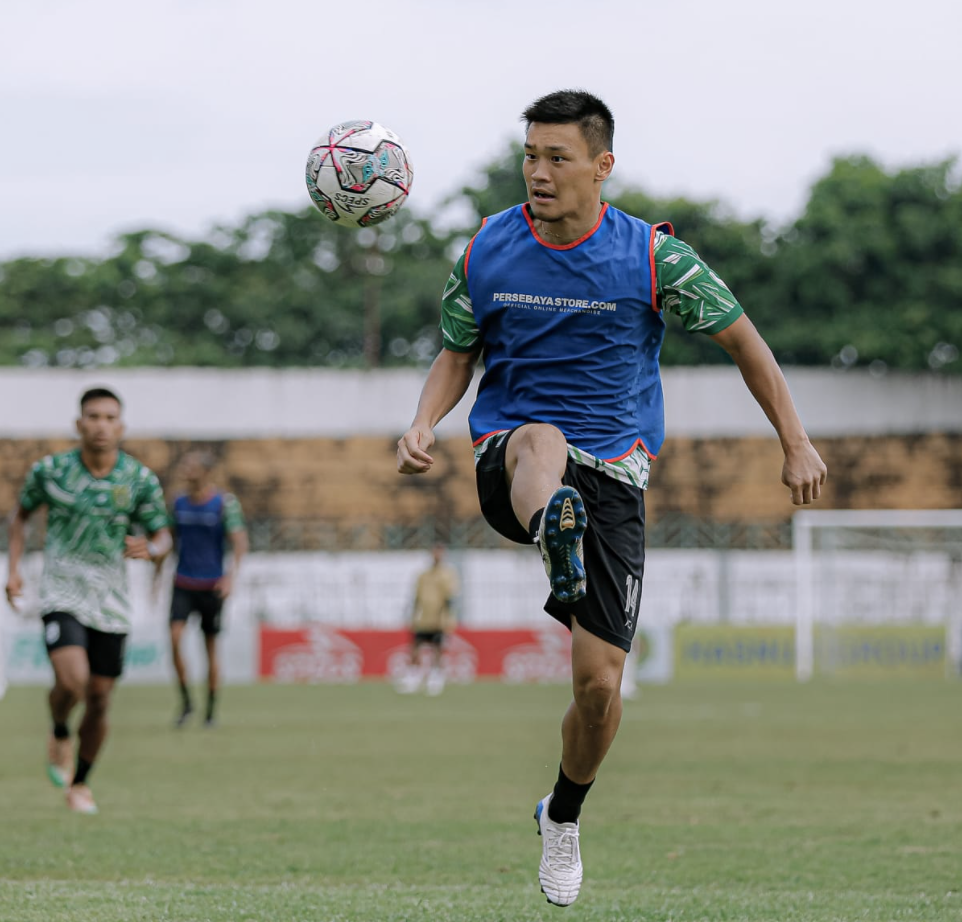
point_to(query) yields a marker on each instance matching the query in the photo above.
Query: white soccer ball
(359, 173)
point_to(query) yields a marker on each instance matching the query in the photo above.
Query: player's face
(100, 426)
(193, 471)
(563, 178)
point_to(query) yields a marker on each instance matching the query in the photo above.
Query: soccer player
(95, 496)
(204, 521)
(432, 619)
(565, 298)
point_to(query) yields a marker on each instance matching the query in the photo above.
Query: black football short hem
(204, 602)
(105, 651)
(563, 613)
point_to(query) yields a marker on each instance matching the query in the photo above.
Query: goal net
(878, 591)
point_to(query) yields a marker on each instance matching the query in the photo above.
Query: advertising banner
(740, 652)
(320, 653)
(653, 654)
(146, 657)
(881, 651)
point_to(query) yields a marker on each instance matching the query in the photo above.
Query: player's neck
(569, 229)
(99, 463)
(199, 495)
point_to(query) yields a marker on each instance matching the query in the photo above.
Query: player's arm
(688, 287)
(153, 546)
(32, 496)
(449, 377)
(151, 513)
(803, 471)
(16, 540)
(239, 543)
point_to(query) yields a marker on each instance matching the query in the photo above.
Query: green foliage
(869, 274)
(499, 186)
(872, 270)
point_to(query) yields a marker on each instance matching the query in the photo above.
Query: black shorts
(204, 602)
(105, 652)
(614, 544)
(436, 638)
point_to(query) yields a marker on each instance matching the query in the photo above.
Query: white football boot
(561, 871)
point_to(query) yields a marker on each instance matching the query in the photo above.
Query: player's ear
(604, 165)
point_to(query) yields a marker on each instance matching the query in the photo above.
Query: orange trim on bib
(635, 444)
(566, 246)
(467, 252)
(654, 275)
(487, 435)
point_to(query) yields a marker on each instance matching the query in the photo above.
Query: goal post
(895, 568)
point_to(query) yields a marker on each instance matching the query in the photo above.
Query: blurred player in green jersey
(95, 496)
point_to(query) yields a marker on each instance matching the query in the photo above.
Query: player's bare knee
(594, 695)
(539, 439)
(70, 687)
(98, 701)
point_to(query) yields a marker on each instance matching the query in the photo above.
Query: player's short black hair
(96, 393)
(565, 107)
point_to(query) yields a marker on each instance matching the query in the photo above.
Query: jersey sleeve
(233, 514)
(687, 287)
(151, 509)
(34, 490)
(459, 332)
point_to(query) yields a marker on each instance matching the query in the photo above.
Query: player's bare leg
(213, 677)
(534, 464)
(592, 719)
(535, 460)
(92, 733)
(180, 669)
(71, 673)
(435, 680)
(587, 732)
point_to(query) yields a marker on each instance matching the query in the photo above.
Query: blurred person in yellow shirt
(432, 619)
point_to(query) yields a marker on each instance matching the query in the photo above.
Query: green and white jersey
(84, 570)
(685, 286)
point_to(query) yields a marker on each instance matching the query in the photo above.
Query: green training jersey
(84, 570)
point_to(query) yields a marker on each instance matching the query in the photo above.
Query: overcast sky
(180, 114)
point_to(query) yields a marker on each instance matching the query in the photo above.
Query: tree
(871, 273)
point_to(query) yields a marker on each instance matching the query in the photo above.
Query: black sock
(83, 768)
(185, 696)
(211, 696)
(565, 806)
(534, 525)
(61, 731)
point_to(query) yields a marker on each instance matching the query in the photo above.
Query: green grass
(353, 804)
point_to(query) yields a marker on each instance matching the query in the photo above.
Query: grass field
(353, 804)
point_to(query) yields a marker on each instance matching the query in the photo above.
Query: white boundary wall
(259, 403)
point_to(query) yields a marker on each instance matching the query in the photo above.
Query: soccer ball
(359, 173)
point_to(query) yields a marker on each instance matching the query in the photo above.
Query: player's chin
(542, 207)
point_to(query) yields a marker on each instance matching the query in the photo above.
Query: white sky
(179, 114)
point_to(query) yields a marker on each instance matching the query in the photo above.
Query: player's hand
(224, 586)
(136, 548)
(804, 474)
(412, 451)
(14, 590)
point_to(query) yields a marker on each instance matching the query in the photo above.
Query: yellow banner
(704, 651)
(880, 651)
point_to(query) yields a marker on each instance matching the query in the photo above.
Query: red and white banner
(319, 653)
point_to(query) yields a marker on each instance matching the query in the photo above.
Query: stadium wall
(317, 446)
